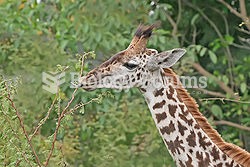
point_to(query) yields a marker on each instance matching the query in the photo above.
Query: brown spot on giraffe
(196, 126)
(203, 161)
(219, 165)
(181, 164)
(181, 128)
(161, 116)
(229, 164)
(182, 107)
(188, 121)
(158, 92)
(224, 157)
(172, 109)
(143, 90)
(159, 104)
(171, 93)
(202, 141)
(191, 139)
(168, 129)
(215, 153)
(189, 162)
(175, 146)
(138, 76)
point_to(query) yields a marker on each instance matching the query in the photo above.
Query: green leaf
(212, 56)
(243, 87)
(203, 51)
(198, 48)
(229, 39)
(216, 110)
(194, 18)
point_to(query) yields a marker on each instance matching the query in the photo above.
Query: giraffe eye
(130, 65)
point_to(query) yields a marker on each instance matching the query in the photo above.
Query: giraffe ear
(169, 58)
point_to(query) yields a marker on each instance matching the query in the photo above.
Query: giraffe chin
(87, 88)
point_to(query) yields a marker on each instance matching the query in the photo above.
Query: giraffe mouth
(86, 85)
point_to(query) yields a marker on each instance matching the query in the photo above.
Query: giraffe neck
(186, 141)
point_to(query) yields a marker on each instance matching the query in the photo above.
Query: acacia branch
(223, 122)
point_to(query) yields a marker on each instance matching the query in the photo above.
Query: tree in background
(36, 36)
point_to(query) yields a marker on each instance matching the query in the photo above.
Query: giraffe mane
(238, 154)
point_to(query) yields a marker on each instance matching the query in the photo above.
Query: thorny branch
(22, 126)
(15, 134)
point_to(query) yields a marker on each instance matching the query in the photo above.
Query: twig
(44, 119)
(18, 162)
(223, 122)
(179, 13)
(244, 31)
(224, 99)
(173, 24)
(212, 93)
(23, 128)
(240, 46)
(83, 104)
(223, 17)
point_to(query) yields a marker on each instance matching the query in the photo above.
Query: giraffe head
(135, 66)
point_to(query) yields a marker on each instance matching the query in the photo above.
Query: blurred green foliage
(118, 130)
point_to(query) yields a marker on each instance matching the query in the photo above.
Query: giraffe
(188, 136)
